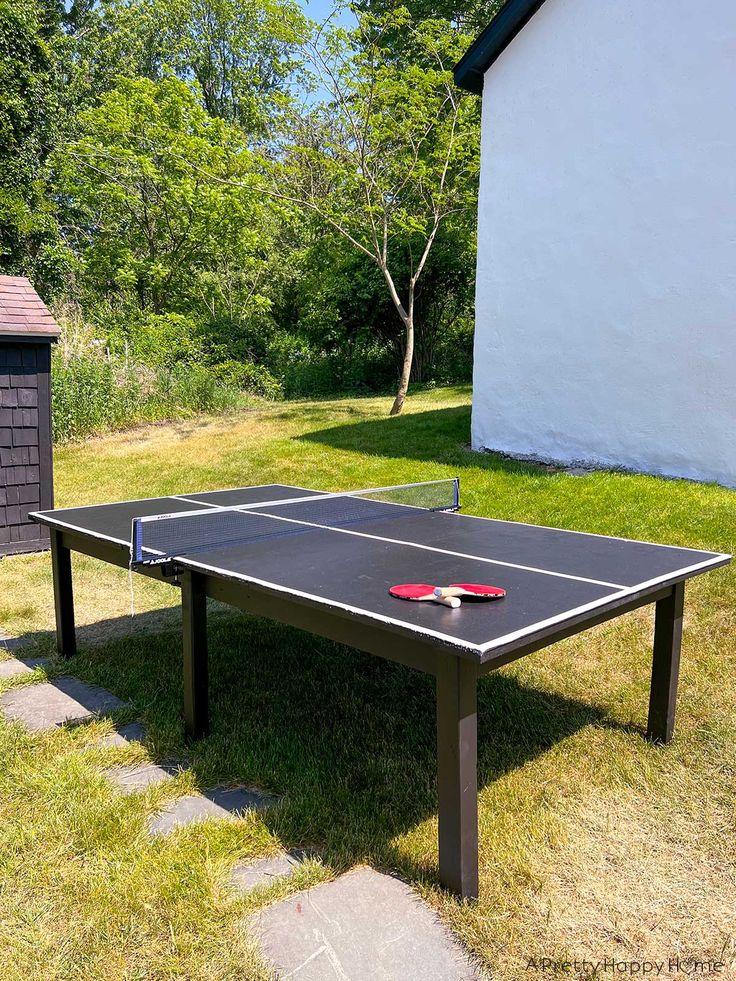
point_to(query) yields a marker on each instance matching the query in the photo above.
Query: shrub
(454, 354)
(364, 367)
(92, 393)
(87, 397)
(249, 377)
(166, 340)
(187, 389)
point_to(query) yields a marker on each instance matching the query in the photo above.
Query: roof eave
(19, 336)
(511, 18)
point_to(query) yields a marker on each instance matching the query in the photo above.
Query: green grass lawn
(593, 843)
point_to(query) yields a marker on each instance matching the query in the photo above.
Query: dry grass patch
(635, 880)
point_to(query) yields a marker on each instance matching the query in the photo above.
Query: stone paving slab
(264, 871)
(9, 643)
(123, 736)
(14, 666)
(138, 776)
(364, 926)
(219, 803)
(53, 703)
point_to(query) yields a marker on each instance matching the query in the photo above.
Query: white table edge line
(171, 497)
(334, 604)
(590, 534)
(84, 531)
(627, 591)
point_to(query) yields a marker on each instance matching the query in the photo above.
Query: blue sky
(319, 9)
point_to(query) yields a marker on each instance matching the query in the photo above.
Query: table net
(165, 537)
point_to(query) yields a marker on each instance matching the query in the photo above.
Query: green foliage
(321, 373)
(91, 394)
(166, 340)
(452, 357)
(238, 52)
(340, 303)
(472, 15)
(150, 151)
(29, 234)
(151, 228)
(249, 377)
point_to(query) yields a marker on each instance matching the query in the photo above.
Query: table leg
(194, 637)
(457, 779)
(61, 567)
(665, 665)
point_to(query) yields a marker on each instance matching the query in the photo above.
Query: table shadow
(344, 740)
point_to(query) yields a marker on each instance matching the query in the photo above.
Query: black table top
(550, 576)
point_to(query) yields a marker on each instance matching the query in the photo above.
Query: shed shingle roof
(22, 311)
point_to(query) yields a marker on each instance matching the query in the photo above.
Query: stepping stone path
(14, 667)
(139, 776)
(265, 871)
(57, 702)
(363, 926)
(123, 736)
(218, 803)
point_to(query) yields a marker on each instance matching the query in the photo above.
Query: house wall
(606, 288)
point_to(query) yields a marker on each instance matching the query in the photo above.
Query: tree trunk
(405, 368)
(407, 318)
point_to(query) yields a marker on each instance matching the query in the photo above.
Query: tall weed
(93, 394)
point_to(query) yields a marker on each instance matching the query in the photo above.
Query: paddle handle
(450, 601)
(484, 593)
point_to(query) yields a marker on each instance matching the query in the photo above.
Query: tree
(471, 15)
(149, 228)
(29, 235)
(337, 300)
(238, 52)
(389, 152)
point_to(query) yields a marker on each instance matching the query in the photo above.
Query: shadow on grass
(347, 741)
(100, 633)
(437, 435)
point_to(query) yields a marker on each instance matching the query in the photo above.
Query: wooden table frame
(456, 672)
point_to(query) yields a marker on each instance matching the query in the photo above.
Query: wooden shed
(27, 331)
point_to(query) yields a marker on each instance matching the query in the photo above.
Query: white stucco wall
(606, 295)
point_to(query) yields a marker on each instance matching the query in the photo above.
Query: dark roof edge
(14, 336)
(511, 18)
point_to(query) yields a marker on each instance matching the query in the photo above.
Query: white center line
(440, 551)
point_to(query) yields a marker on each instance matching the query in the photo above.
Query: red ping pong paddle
(471, 590)
(421, 591)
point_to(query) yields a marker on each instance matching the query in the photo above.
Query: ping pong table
(324, 563)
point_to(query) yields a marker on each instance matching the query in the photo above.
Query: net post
(456, 493)
(136, 545)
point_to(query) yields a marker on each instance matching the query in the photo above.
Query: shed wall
(25, 444)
